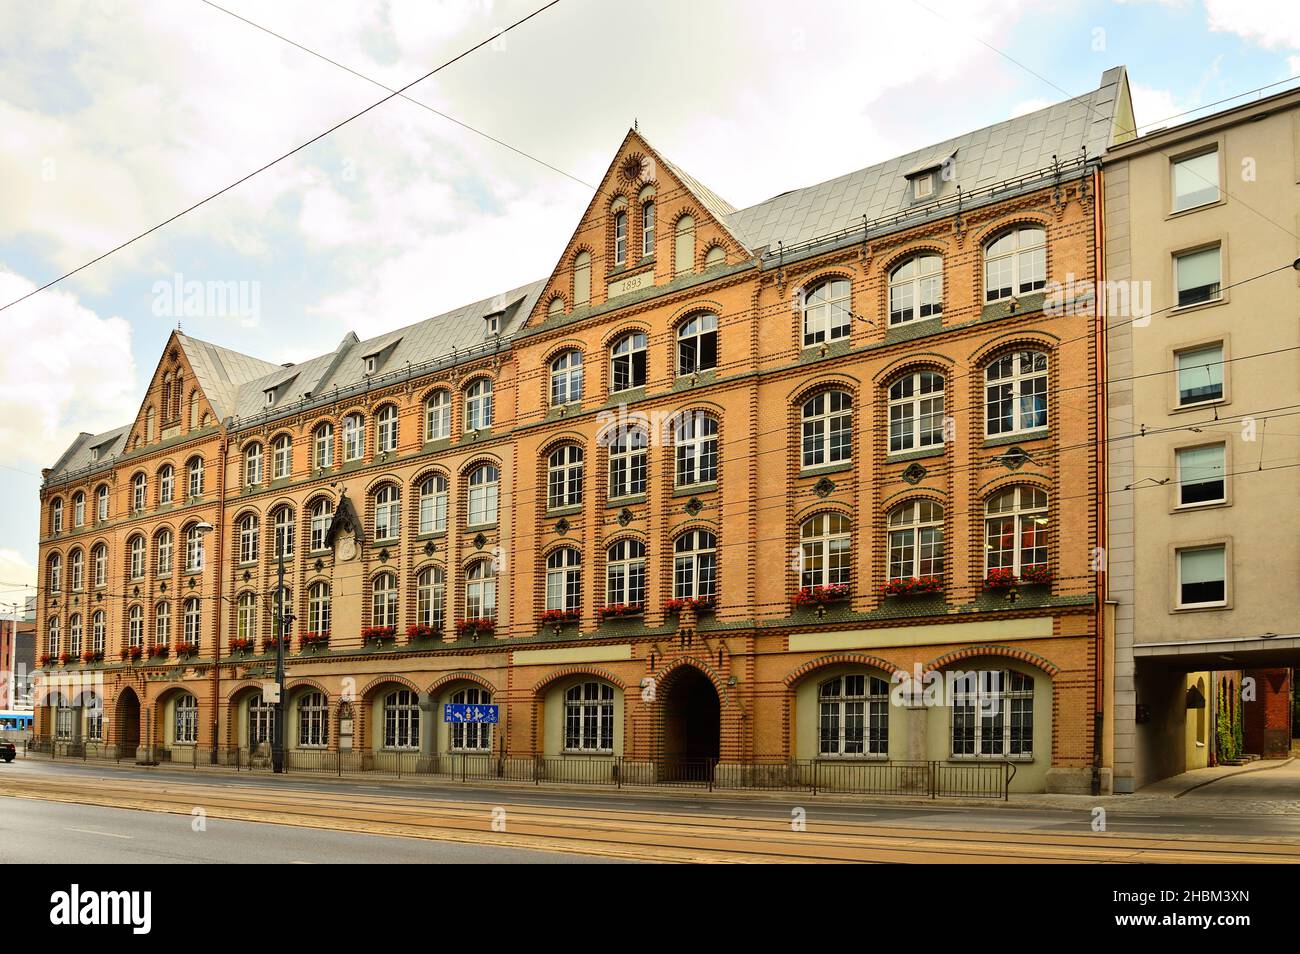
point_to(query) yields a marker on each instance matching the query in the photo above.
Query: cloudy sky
(117, 114)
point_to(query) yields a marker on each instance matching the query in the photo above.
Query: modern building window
(1196, 180)
(1198, 276)
(853, 716)
(1015, 264)
(993, 715)
(1201, 475)
(647, 229)
(582, 279)
(564, 477)
(620, 238)
(166, 485)
(1015, 529)
(916, 289)
(165, 548)
(1202, 576)
(195, 469)
(99, 565)
(135, 626)
(433, 504)
(193, 550)
(383, 601)
(101, 497)
(281, 457)
(916, 412)
(478, 405)
(628, 362)
(825, 550)
(684, 246)
(388, 513)
(484, 495)
(386, 429)
(354, 437)
(248, 535)
(697, 344)
(589, 718)
(322, 512)
(401, 720)
(313, 721)
(695, 566)
(916, 540)
(1015, 393)
(323, 446)
(627, 463)
(430, 597)
(185, 729)
(481, 590)
(1200, 375)
(253, 465)
(193, 622)
(564, 580)
(471, 736)
(827, 312)
(566, 378)
(695, 442)
(827, 428)
(437, 416)
(78, 509)
(318, 607)
(135, 557)
(625, 574)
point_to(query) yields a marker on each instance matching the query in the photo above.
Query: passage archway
(692, 727)
(126, 722)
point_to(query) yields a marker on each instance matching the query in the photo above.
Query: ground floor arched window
(313, 721)
(993, 714)
(589, 718)
(401, 720)
(853, 716)
(471, 736)
(261, 721)
(185, 728)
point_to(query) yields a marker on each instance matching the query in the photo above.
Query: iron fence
(917, 779)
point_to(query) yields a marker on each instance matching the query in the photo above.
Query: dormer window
(270, 396)
(492, 324)
(923, 186)
(371, 364)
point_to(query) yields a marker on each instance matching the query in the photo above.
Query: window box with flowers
(378, 634)
(913, 586)
(814, 596)
(555, 617)
(185, 650)
(1038, 575)
(698, 605)
(621, 611)
(133, 653)
(65, 658)
(475, 627)
(45, 658)
(160, 651)
(420, 633)
(1000, 579)
(319, 640)
(92, 656)
(268, 644)
(241, 647)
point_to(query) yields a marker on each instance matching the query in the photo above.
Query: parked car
(8, 751)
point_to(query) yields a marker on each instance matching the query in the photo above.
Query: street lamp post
(282, 622)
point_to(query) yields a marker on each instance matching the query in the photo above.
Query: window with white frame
(98, 631)
(566, 378)
(248, 534)
(627, 462)
(135, 626)
(99, 565)
(323, 446)
(589, 717)
(94, 718)
(481, 590)
(78, 509)
(195, 469)
(166, 484)
(625, 574)
(281, 457)
(1016, 529)
(322, 513)
(1015, 264)
(853, 716)
(433, 504)
(386, 429)
(478, 405)
(697, 344)
(261, 721)
(916, 289)
(564, 580)
(1015, 388)
(135, 557)
(139, 492)
(246, 617)
(1201, 475)
(564, 477)
(282, 532)
(1195, 180)
(1202, 576)
(647, 229)
(253, 465)
(56, 515)
(193, 549)
(437, 416)
(620, 238)
(354, 437)
(628, 362)
(993, 715)
(484, 495)
(101, 498)
(916, 412)
(825, 550)
(193, 622)
(383, 600)
(185, 726)
(52, 636)
(1200, 374)
(827, 428)
(1198, 276)
(74, 635)
(915, 540)
(318, 607)
(313, 721)
(695, 442)
(401, 720)
(388, 512)
(827, 312)
(471, 736)
(77, 570)
(162, 624)
(695, 565)
(430, 597)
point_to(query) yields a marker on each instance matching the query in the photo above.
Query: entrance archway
(126, 722)
(692, 726)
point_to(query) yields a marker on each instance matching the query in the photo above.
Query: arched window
(98, 631)
(916, 289)
(383, 602)
(386, 429)
(138, 493)
(78, 509)
(185, 728)
(74, 635)
(135, 626)
(281, 457)
(52, 636)
(77, 570)
(827, 428)
(318, 608)
(647, 229)
(323, 445)
(582, 279)
(437, 416)
(253, 465)
(101, 502)
(322, 512)
(430, 597)
(684, 246)
(484, 488)
(354, 437)
(99, 565)
(433, 504)
(135, 557)
(166, 484)
(628, 362)
(195, 469)
(625, 574)
(589, 717)
(481, 590)
(853, 716)
(282, 527)
(695, 440)
(1015, 263)
(825, 550)
(193, 622)
(1015, 529)
(401, 720)
(916, 412)
(388, 513)
(162, 624)
(313, 721)
(471, 736)
(715, 256)
(916, 540)
(564, 580)
(564, 477)
(993, 715)
(695, 566)
(261, 721)
(150, 419)
(620, 237)
(627, 462)
(697, 344)
(566, 378)
(54, 574)
(478, 405)
(248, 534)
(1015, 393)
(193, 549)
(56, 515)
(827, 312)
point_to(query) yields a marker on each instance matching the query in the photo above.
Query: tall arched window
(77, 570)
(323, 445)
(1015, 263)
(193, 622)
(1015, 529)
(52, 636)
(827, 312)
(401, 720)
(354, 437)
(853, 716)
(471, 736)
(139, 493)
(627, 462)
(437, 416)
(318, 607)
(135, 557)
(695, 442)
(695, 565)
(481, 590)
(56, 515)
(564, 477)
(647, 229)
(282, 527)
(827, 428)
(478, 405)
(684, 246)
(628, 362)
(433, 504)
(484, 490)
(193, 549)
(916, 412)
(313, 721)
(566, 378)
(195, 470)
(430, 597)
(166, 484)
(74, 635)
(825, 550)
(99, 565)
(916, 540)
(564, 580)
(162, 624)
(386, 429)
(281, 457)
(101, 501)
(98, 631)
(248, 534)
(253, 465)
(261, 721)
(697, 344)
(589, 717)
(916, 289)
(322, 512)
(185, 726)
(135, 626)
(78, 509)
(620, 236)
(54, 574)
(383, 600)
(625, 574)
(993, 714)
(582, 279)
(1015, 390)
(246, 618)
(388, 513)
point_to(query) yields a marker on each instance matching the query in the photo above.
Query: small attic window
(923, 185)
(492, 323)
(270, 396)
(371, 363)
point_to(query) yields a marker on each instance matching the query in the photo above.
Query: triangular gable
(344, 521)
(589, 274)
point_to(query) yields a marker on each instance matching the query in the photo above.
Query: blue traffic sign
(461, 712)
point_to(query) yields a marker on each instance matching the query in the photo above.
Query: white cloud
(15, 572)
(1273, 24)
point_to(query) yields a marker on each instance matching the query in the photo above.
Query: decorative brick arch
(839, 659)
(364, 695)
(461, 675)
(988, 649)
(539, 690)
(663, 678)
(310, 683)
